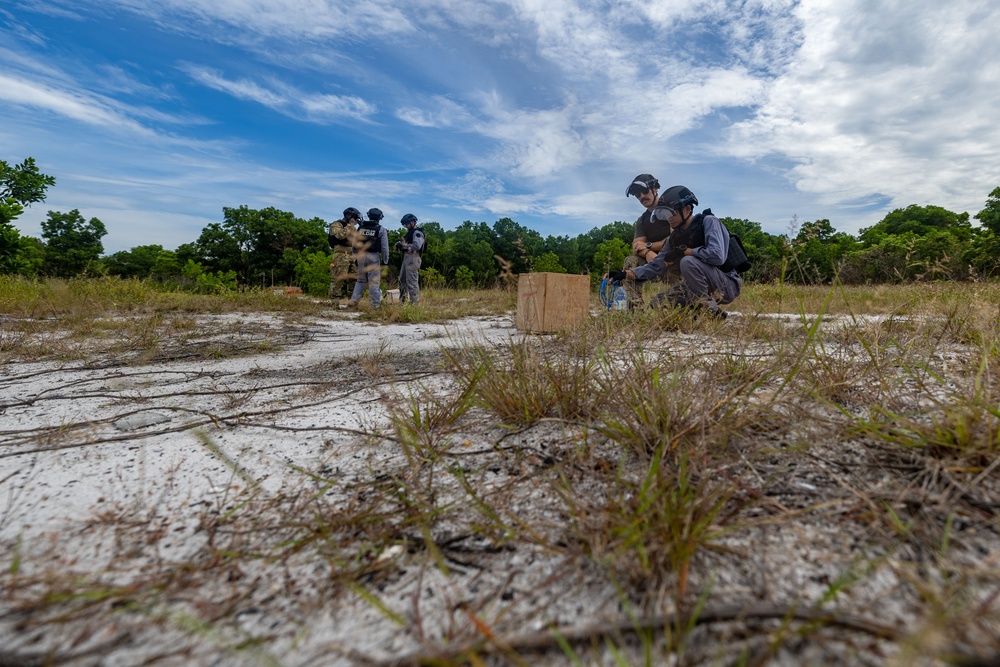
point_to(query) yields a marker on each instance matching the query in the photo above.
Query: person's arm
(716, 247)
(384, 243)
(655, 267)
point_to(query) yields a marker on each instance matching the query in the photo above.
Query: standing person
(412, 246)
(701, 248)
(342, 233)
(649, 234)
(371, 251)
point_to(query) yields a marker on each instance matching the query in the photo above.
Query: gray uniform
(409, 273)
(371, 252)
(703, 281)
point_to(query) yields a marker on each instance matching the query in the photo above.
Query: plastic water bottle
(619, 302)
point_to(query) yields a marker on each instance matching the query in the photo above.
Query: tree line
(265, 247)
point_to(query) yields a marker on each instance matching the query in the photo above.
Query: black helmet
(677, 197)
(640, 184)
(350, 213)
(375, 214)
(407, 219)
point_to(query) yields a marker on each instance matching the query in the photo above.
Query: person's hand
(639, 247)
(617, 275)
(675, 254)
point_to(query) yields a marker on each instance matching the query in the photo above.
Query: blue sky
(154, 115)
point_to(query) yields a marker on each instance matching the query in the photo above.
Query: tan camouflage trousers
(342, 275)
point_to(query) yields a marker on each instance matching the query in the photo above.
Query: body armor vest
(694, 237)
(409, 238)
(368, 236)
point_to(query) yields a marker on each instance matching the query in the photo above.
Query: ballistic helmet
(677, 197)
(375, 214)
(350, 213)
(640, 184)
(407, 219)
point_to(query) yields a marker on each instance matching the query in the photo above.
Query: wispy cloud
(316, 107)
(77, 106)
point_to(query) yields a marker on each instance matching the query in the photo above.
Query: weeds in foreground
(653, 458)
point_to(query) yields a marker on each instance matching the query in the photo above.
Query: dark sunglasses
(637, 189)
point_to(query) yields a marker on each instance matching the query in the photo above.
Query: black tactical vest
(368, 234)
(694, 237)
(409, 239)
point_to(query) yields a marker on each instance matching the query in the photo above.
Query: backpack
(738, 254)
(736, 257)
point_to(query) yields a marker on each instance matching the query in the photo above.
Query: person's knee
(690, 264)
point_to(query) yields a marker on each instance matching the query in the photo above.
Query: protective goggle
(662, 213)
(638, 188)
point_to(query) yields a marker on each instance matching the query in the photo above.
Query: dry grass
(808, 490)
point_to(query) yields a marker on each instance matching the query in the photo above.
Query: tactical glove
(616, 275)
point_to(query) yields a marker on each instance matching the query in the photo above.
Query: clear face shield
(662, 213)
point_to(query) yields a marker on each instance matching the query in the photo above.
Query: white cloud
(347, 20)
(285, 99)
(892, 99)
(78, 106)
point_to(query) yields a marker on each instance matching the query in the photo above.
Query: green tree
(20, 186)
(547, 262)
(72, 245)
(312, 272)
(464, 277)
(816, 252)
(913, 243)
(588, 243)
(516, 244)
(253, 243)
(913, 220)
(610, 254)
(166, 267)
(567, 250)
(135, 263)
(764, 250)
(470, 245)
(990, 215)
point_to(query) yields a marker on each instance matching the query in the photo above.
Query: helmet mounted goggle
(663, 213)
(637, 189)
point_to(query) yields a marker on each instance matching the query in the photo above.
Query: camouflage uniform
(342, 272)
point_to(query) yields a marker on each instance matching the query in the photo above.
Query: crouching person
(371, 251)
(701, 248)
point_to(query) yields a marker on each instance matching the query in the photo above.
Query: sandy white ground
(117, 472)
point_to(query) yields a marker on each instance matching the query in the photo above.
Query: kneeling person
(700, 247)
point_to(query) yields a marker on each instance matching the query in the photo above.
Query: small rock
(132, 422)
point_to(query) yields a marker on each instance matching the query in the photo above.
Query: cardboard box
(548, 302)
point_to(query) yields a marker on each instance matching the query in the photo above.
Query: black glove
(399, 245)
(616, 275)
(675, 254)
